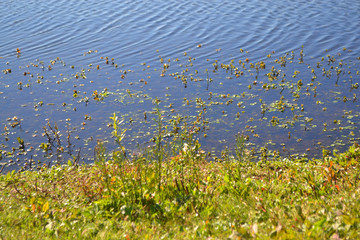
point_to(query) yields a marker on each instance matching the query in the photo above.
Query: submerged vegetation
(284, 104)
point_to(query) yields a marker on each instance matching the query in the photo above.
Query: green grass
(184, 196)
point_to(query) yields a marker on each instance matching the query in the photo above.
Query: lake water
(74, 37)
(133, 30)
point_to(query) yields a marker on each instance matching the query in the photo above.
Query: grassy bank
(152, 196)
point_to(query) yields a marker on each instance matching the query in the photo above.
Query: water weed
(300, 105)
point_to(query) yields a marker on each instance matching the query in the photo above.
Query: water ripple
(127, 28)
